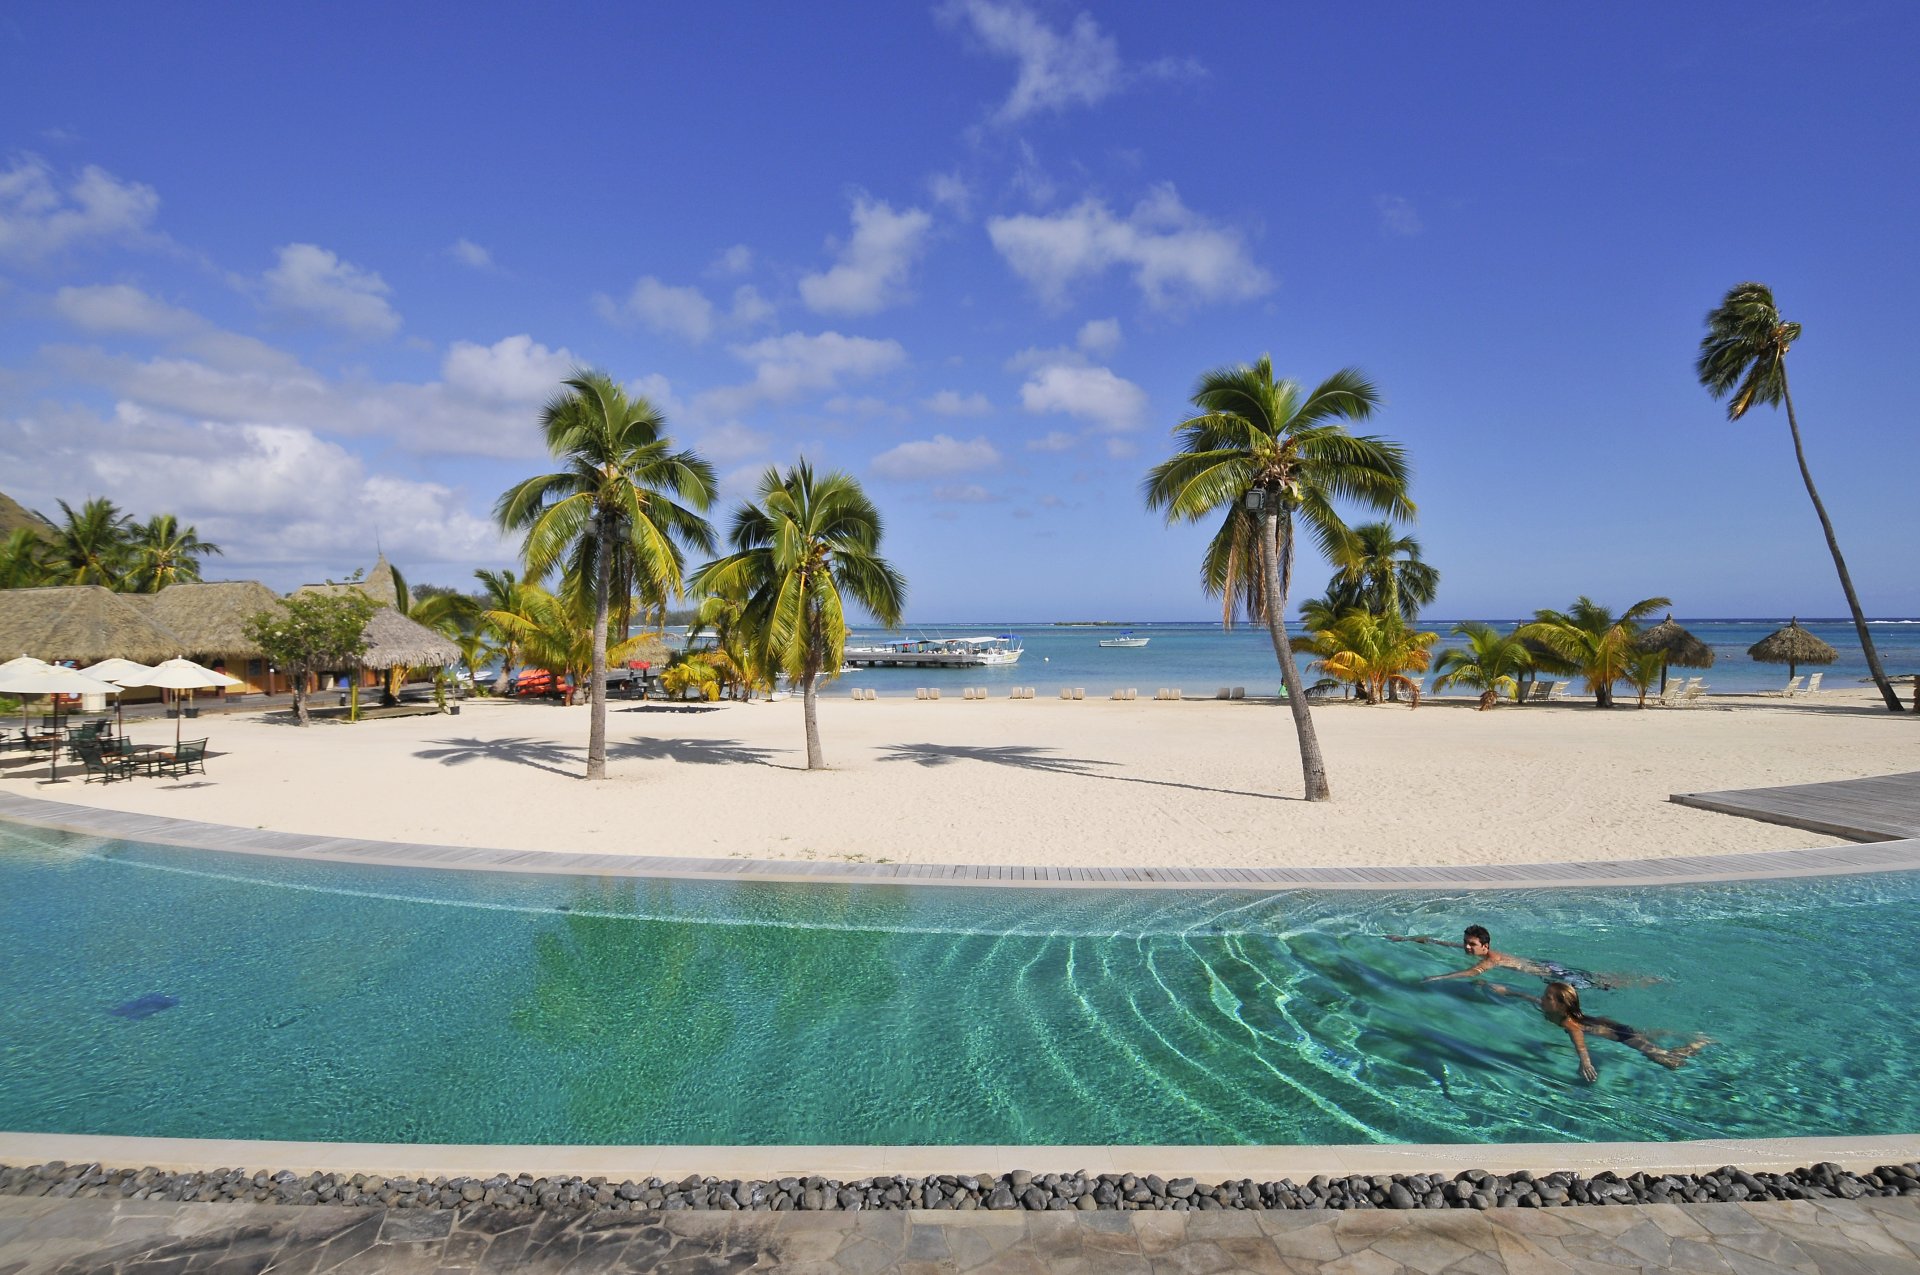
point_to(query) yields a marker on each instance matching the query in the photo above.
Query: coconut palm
(1591, 641)
(496, 594)
(618, 511)
(709, 672)
(91, 545)
(1265, 451)
(1380, 570)
(1490, 662)
(26, 560)
(163, 553)
(558, 633)
(725, 618)
(1744, 354)
(806, 545)
(1375, 652)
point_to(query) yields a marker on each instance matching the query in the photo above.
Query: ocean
(1199, 657)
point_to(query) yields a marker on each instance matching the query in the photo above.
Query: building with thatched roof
(378, 585)
(85, 623)
(211, 618)
(394, 641)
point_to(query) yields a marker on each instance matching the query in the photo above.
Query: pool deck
(1896, 855)
(1879, 808)
(40, 1236)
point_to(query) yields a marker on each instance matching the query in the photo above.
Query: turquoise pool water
(322, 1001)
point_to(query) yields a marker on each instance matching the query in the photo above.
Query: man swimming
(1560, 1005)
(1479, 945)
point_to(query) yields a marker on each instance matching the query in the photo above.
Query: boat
(1126, 638)
(960, 652)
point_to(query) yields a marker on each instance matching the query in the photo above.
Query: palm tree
(496, 594)
(91, 546)
(1375, 652)
(1744, 353)
(614, 512)
(1590, 640)
(1381, 571)
(1281, 455)
(26, 560)
(165, 553)
(807, 542)
(1490, 662)
(557, 633)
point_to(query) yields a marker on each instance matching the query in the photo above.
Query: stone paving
(124, 1237)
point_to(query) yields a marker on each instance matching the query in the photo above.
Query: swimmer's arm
(1579, 1037)
(1501, 989)
(1421, 938)
(1486, 963)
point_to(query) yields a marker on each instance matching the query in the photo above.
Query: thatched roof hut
(379, 585)
(210, 616)
(652, 650)
(83, 622)
(394, 641)
(1791, 646)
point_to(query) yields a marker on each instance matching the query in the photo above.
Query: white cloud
(271, 496)
(514, 369)
(1176, 256)
(1052, 442)
(39, 218)
(733, 442)
(316, 284)
(865, 405)
(749, 307)
(736, 260)
(662, 307)
(954, 403)
(1397, 215)
(871, 273)
(938, 457)
(951, 191)
(1076, 66)
(1099, 337)
(1090, 393)
(122, 310)
(794, 363)
(469, 253)
(962, 494)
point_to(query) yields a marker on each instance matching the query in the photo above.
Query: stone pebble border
(1019, 1189)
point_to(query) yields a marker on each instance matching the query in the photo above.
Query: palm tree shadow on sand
(567, 759)
(1025, 757)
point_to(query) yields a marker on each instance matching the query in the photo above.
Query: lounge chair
(1133, 692)
(1696, 691)
(1793, 687)
(919, 692)
(109, 767)
(1538, 692)
(933, 692)
(1239, 692)
(1813, 684)
(1079, 692)
(1225, 692)
(1670, 697)
(857, 694)
(966, 692)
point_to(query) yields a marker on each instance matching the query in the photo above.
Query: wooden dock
(1882, 808)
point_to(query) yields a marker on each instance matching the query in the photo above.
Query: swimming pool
(329, 1002)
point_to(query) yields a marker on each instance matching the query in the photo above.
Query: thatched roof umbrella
(1792, 646)
(86, 623)
(394, 641)
(1676, 646)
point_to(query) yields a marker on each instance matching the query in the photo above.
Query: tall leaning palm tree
(1744, 354)
(1266, 451)
(618, 511)
(800, 551)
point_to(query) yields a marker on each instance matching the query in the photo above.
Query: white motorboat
(1126, 638)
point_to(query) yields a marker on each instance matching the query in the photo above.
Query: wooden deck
(1883, 808)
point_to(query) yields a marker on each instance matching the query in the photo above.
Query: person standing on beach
(1478, 944)
(1560, 1005)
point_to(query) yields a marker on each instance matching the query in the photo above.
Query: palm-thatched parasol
(1792, 646)
(1676, 646)
(394, 641)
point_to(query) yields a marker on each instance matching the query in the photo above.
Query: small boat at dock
(1126, 638)
(960, 652)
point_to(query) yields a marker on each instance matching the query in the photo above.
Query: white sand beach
(1089, 783)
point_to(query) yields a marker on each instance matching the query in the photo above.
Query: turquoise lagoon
(323, 1001)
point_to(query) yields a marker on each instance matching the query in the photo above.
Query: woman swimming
(1560, 1005)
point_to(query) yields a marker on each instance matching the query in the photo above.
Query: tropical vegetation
(99, 543)
(612, 520)
(804, 547)
(1591, 641)
(1374, 652)
(1490, 662)
(1743, 359)
(310, 633)
(1268, 457)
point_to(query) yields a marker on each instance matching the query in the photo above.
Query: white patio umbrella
(184, 675)
(19, 665)
(54, 679)
(122, 673)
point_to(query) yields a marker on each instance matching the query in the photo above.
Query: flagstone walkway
(107, 1237)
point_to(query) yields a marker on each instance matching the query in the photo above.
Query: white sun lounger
(1794, 686)
(1813, 684)
(1239, 692)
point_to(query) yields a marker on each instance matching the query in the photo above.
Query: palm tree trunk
(597, 684)
(1839, 563)
(1313, 767)
(809, 698)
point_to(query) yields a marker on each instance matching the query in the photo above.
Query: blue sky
(304, 278)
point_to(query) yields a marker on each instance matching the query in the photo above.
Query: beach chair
(1133, 692)
(1066, 693)
(857, 695)
(933, 692)
(919, 692)
(1791, 689)
(966, 692)
(1538, 692)
(1696, 691)
(1225, 692)
(1079, 692)
(1174, 691)
(1239, 692)
(1670, 698)
(1813, 684)
(105, 767)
